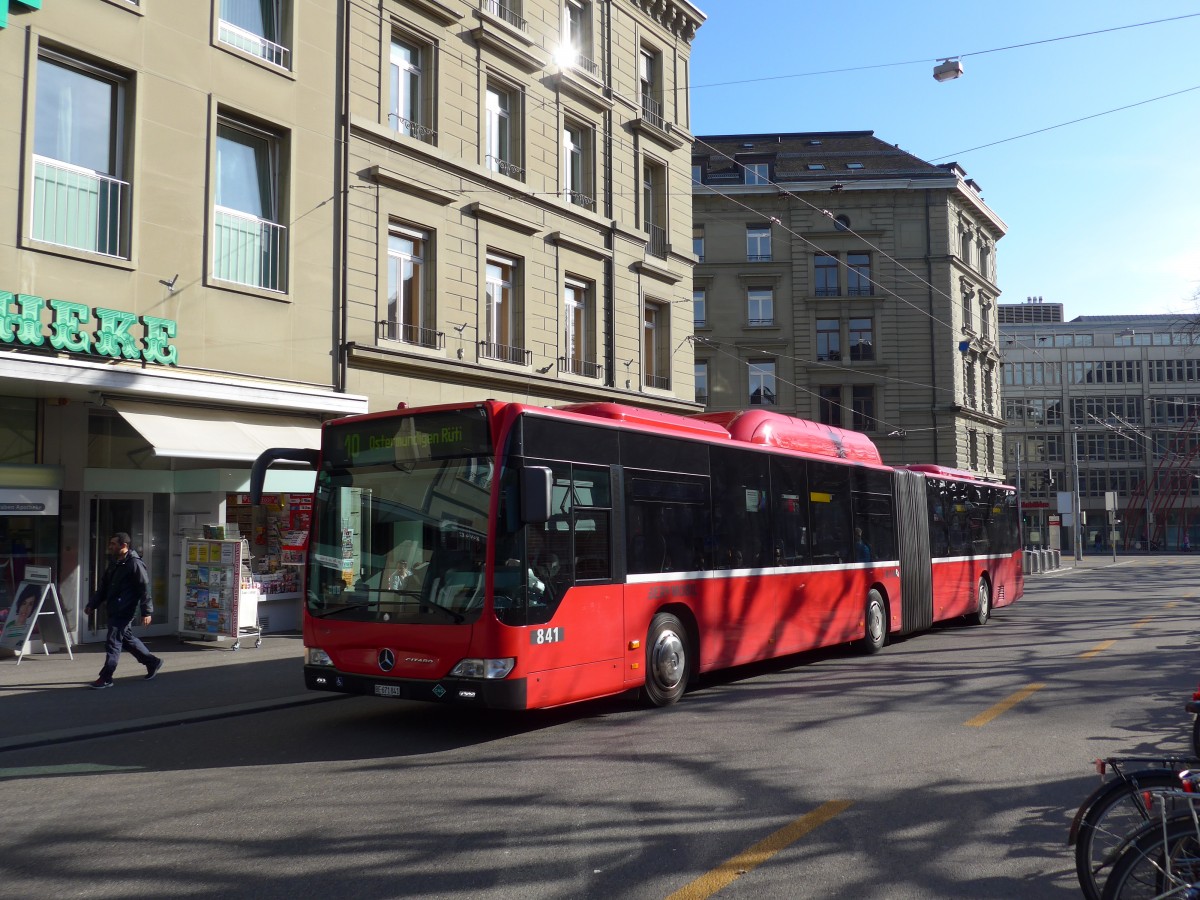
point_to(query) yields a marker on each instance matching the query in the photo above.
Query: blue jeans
(120, 637)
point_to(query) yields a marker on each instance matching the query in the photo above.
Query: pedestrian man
(125, 591)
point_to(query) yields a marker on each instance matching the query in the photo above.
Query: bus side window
(829, 508)
(789, 508)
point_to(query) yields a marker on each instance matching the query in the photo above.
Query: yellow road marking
(1140, 622)
(1171, 605)
(730, 870)
(1003, 706)
(1099, 648)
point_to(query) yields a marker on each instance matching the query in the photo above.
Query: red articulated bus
(519, 557)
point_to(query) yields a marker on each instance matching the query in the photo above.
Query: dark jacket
(124, 587)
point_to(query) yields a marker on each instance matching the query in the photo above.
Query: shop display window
(277, 534)
(24, 541)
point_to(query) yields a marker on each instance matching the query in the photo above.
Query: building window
(699, 308)
(579, 340)
(577, 35)
(79, 199)
(249, 242)
(842, 223)
(825, 273)
(973, 448)
(650, 76)
(502, 322)
(507, 10)
(656, 356)
(698, 242)
(969, 398)
(862, 339)
(578, 184)
(760, 306)
(408, 313)
(255, 27)
(989, 397)
(408, 113)
(964, 249)
(697, 174)
(829, 400)
(858, 275)
(757, 173)
(501, 137)
(702, 382)
(862, 407)
(758, 243)
(762, 382)
(829, 340)
(985, 260)
(654, 208)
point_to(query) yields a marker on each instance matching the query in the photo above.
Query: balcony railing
(758, 257)
(754, 323)
(661, 382)
(656, 245)
(409, 128)
(701, 322)
(590, 66)
(249, 250)
(518, 356)
(504, 167)
(500, 11)
(254, 44)
(78, 208)
(412, 334)
(575, 198)
(579, 367)
(652, 112)
(702, 397)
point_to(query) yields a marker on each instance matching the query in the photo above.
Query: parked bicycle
(1162, 858)
(1140, 787)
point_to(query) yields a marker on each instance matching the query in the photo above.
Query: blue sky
(1103, 215)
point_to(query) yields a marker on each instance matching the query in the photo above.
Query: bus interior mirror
(535, 494)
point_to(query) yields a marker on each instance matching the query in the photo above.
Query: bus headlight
(484, 668)
(315, 656)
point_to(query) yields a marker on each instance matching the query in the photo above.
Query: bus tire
(874, 623)
(668, 663)
(984, 611)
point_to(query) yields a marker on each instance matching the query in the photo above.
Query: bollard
(1057, 558)
(1045, 560)
(1027, 562)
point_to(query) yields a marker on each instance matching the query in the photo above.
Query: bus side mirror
(535, 494)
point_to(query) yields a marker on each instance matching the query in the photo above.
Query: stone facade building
(517, 203)
(846, 281)
(168, 271)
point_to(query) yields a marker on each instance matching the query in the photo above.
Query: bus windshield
(400, 524)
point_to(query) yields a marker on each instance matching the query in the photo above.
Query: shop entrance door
(108, 514)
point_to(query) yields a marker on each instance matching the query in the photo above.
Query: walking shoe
(152, 668)
(99, 684)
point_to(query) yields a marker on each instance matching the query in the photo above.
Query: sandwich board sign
(36, 604)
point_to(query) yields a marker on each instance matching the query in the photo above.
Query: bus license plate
(387, 690)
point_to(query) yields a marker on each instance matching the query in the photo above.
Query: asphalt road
(948, 766)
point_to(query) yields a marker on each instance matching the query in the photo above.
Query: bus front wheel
(667, 661)
(984, 611)
(874, 623)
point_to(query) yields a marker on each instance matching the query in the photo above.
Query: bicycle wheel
(1110, 815)
(1158, 862)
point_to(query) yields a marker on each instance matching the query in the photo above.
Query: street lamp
(1075, 508)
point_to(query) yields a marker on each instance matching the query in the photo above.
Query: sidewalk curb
(66, 735)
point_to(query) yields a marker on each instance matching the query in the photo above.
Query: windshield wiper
(409, 596)
(337, 609)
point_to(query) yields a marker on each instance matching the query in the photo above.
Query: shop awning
(198, 433)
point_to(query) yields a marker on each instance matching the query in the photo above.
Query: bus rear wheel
(667, 661)
(984, 611)
(874, 623)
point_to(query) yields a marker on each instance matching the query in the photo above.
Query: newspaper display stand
(216, 602)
